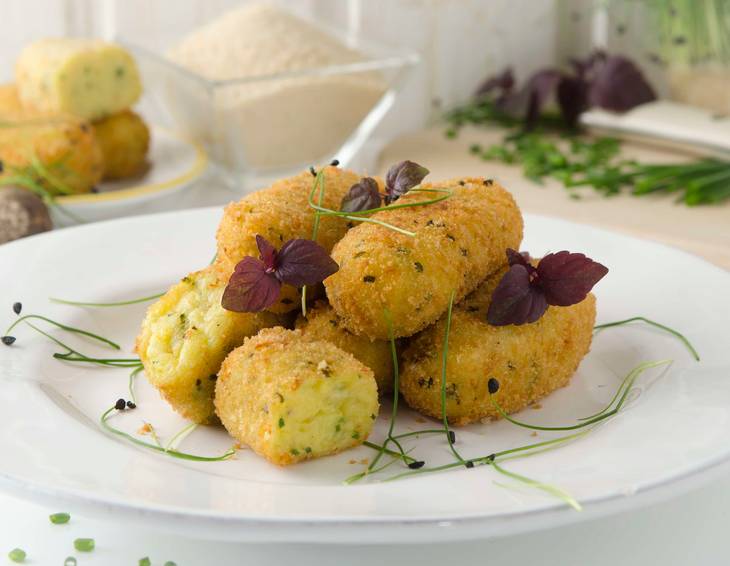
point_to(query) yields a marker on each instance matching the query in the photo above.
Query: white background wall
(461, 41)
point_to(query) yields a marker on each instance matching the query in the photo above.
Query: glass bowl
(267, 127)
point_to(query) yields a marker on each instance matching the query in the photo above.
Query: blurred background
(229, 106)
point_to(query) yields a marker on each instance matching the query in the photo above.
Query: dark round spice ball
(120, 405)
(22, 213)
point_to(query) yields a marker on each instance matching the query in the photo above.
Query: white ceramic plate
(676, 433)
(174, 164)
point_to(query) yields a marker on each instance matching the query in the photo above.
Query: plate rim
(229, 526)
(196, 169)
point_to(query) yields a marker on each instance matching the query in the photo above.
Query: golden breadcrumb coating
(65, 150)
(279, 213)
(9, 100)
(292, 399)
(529, 361)
(322, 323)
(124, 139)
(185, 337)
(458, 242)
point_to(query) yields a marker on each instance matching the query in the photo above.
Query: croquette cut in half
(457, 243)
(291, 399)
(322, 323)
(530, 361)
(185, 337)
(279, 213)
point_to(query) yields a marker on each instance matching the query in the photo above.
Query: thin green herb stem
(444, 362)
(550, 489)
(329, 212)
(319, 179)
(381, 223)
(360, 475)
(115, 362)
(671, 331)
(105, 305)
(396, 388)
(131, 384)
(638, 370)
(63, 327)
(180, 436)
(106, 416)
(386, 450)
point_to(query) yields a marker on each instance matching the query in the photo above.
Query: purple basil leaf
(619, 85)
(516, 258)
(363, 195)
(515, 300)
(401, 178)
(304, 262)
(250, 288)
(572, 96)
(267, 252)
(528, 102)
(566, 278)
(504, 82)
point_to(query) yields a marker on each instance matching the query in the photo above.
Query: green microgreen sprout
(106, 305)
(650, 322)
(610, 410)
(60, 518)
(84, 544)
(444, 360)
(65, 327)
(70, 561)
(17, 555)
(109, 413)
(144, 561)
(548, 488)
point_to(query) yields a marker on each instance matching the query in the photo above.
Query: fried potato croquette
(322, 323)
(292, 399)
(185, 337)
(60, 153)
(9, 101)
(124, 139)
(279, 213)
(529, 361)
(458, 242)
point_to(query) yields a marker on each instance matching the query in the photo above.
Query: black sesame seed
(469, 464)
(488, 182)
(313, 171)
(198, 382)
(492, 385)
(120, 405)
(17, 307)
(369, 279)
(2, 167)
(131, 405)
(452, 436)
(462, 183)
(8, 340)
(335, 162)
(419, 266)
(416, 465)
(286, 301)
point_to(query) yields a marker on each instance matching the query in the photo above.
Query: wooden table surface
(702, 230)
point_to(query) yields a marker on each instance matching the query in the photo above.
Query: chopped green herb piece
(170, 563)
(294, 452)
(60, 518)
(84, 544)
(355, 435)
(308, 450)
(17, 555)
(144, 561)
(281, 422)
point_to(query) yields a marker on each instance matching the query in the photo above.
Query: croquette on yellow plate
(124, 139)
(292, 399)
(322, 323)
(458, 242)
(185, 337)
(529, 361)
(279, 213)
(59, 152)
